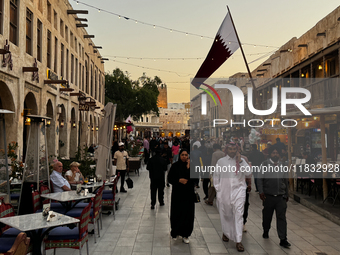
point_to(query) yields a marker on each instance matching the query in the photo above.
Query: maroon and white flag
(224, 45)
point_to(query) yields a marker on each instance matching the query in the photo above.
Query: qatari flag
(225, 44)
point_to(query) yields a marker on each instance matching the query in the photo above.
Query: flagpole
(245, 61)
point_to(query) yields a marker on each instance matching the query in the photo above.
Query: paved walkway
(138, 230)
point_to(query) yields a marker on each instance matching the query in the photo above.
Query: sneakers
(174, 238)
(265, 235)
(285, 243)
(186, 240)
(244, 228)
(161, 204)
(123, 190)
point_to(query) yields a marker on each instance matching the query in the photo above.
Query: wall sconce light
(115, 126)
(306, 124)
(320, 67)
(88, 127)
(260, 94)
(74, 125)
(27, 121)
(302, 75)
(92, 128)
(120, 127)
(97, 128)
(48, 123)
(315, 118)
(62, 123)
(123, 126)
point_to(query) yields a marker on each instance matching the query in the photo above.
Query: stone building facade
(174, 119)
(162, 100)
(309, 62)
(42, 32)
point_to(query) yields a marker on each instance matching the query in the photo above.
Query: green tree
(133, 98)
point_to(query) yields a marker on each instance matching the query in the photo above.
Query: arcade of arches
(66, 129)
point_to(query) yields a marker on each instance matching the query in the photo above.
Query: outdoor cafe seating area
(311, 182)
(73, 209)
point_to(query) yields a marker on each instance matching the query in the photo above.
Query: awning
(317, 111)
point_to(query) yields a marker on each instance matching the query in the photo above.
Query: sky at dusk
(258, 22)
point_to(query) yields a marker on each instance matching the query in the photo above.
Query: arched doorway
(50, 129)
(30, 107)
(73, 134)
(62, 132)
(7, 103)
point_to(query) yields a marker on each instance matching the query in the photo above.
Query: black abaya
(182, 211)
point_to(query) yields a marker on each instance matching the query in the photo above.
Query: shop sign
(331, 119)
(30, 87)
(271, 131)
(84, 107)
(51, 75)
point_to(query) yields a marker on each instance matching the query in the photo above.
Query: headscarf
(179, 155)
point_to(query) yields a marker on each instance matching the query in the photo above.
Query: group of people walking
(171, 165)
(231, 188)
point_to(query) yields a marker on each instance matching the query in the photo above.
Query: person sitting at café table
(60, 184)
(74, 176)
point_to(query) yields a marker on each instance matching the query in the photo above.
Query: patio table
(66, 198)
(93, 185)
(34, 224)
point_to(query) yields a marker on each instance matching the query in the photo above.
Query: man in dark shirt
(281, 146)
(255, 158)
(153, 145)
(273, 190)
(157, 167)
(167, 155)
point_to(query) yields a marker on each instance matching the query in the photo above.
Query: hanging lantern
(27, 121)
(48, 123)
(62, 123)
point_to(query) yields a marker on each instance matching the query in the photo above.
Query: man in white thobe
(229, 181)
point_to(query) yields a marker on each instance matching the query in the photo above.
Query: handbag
(129, 183)
(197, 198)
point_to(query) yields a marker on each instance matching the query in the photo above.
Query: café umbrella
(104, 162)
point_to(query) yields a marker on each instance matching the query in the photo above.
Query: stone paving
(138, 230)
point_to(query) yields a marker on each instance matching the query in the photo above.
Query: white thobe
(230, 195)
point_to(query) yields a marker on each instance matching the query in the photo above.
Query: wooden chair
(20, 246)
(7, 210)
(64, 237)
(36, 200)
(95, 212)
(109, 197)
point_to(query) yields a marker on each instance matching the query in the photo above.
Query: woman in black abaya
(182, 212)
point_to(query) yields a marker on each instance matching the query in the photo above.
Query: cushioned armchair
(65, 237)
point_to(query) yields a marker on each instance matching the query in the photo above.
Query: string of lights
(178, 73)
(155, 69)
(163, 27)
(178, 58)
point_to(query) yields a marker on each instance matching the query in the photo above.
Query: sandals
(224, 238)
(239, 247)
